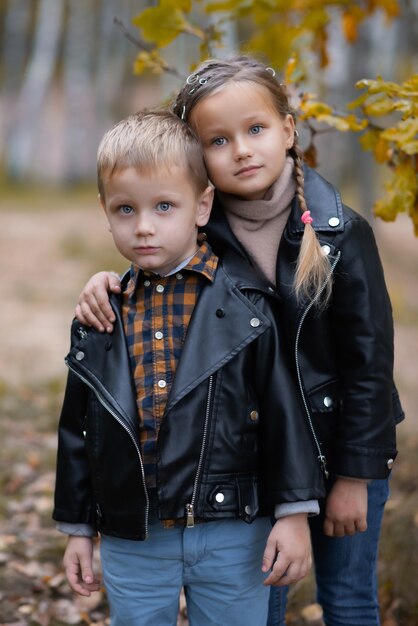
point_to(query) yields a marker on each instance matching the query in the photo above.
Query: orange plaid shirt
(156, 312)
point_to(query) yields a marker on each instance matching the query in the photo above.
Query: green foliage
(283, 31)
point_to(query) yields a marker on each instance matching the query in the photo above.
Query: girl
(289, 223)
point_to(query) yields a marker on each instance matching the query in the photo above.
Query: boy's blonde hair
(313, 276)
(150, 140)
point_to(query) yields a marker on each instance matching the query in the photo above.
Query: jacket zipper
(125, 427)
(190, 506)
(321, 457)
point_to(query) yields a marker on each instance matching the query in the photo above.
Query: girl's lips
(248, 170)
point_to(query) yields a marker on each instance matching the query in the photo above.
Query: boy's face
(154, 218)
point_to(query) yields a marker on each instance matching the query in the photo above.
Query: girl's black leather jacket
(343, 357)
(234, 440)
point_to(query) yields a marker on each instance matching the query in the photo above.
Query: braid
(313, 265)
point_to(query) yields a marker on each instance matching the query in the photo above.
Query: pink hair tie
(306, 217)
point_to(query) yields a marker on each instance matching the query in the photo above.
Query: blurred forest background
(66, 75)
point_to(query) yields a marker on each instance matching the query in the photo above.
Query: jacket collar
(324, 203)
(323, 200)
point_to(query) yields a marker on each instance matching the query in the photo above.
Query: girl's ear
(204, 207)
(289, 128)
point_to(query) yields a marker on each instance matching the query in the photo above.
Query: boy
(185, 423)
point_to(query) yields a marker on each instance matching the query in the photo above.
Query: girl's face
(244, 139)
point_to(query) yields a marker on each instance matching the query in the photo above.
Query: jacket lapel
(223, 323)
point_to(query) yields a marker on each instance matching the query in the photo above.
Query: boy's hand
(93, 308)
(78, 564)
(288, 551)
(346, 508)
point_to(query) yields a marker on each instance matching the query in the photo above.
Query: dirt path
(48, 254)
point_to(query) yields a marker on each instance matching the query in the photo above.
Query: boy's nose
(144, 225)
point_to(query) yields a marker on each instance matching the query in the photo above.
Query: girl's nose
(242, 149)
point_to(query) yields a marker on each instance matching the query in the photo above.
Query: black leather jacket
(233, 442)
(343, 357)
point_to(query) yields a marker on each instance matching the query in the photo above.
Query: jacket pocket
(324, 404)
(236, 498)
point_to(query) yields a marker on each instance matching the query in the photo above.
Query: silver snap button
(159, 334)
(162, 384)
(79, 356)
(390, 463)
(160, 288)
(328, 401)
(333, 221)
(219, 497)
(326, 249)
(147, 283)
(248, 509)
(254, 322)
(179, 276)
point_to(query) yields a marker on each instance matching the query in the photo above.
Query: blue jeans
(345, 570)
(218, 563)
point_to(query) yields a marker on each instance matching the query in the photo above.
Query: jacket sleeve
(362, 328)
(73, 496)
(291, 469)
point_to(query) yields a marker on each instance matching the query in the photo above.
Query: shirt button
(158, 334)
(162, 384)
(254, 322)
(254, 416)
(147, 283)
(179, 276)
(160, 288)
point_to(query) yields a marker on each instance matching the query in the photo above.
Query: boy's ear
(204, 207)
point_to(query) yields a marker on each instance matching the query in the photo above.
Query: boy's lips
(146, 249)
(249, 169)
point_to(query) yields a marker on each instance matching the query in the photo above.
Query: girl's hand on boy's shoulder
(346, 508)
(93, 308)
(78, 564)
(288, 552)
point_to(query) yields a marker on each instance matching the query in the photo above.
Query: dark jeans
(345, 570)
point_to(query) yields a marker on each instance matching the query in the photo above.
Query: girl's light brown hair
(312, 277)
(148, 141)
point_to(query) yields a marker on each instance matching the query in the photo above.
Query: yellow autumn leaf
(351, 18)
(380, 105)
(402, 190)
(163, 23)
(314, 109)
(369, 139)
(294, 71)
(404, 135)
(149, 62)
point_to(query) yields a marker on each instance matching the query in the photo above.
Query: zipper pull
(189, 515)
(323, 464)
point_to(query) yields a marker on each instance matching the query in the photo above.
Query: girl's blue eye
(164, 206)
(125, 209)
(219, 141)
(254, 130)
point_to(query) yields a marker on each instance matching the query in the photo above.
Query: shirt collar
(203, 261)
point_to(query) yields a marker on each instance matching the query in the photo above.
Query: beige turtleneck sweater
(258, 224)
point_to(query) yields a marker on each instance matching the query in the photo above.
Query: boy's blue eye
(164, 206)
(254, 130)
(219, 141)
(125, 209)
